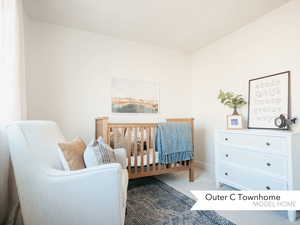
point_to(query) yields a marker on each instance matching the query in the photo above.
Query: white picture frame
(234, 122)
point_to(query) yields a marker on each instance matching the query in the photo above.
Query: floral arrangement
(231, 100)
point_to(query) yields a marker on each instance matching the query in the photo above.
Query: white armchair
(51, 196)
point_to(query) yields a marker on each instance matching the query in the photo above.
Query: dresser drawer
(270, 144)
(244, 178)
(268, 163)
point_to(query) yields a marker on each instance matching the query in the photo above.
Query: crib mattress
(139, 159)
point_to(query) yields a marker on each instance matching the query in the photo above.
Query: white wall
(267, 46)
(69, 73)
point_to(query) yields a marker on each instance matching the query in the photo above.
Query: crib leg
(191, 172)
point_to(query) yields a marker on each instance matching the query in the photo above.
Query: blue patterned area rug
(152, 202)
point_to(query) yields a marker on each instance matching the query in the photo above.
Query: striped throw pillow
(97, 153)
(103, 152)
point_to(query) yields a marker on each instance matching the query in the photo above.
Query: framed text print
(269, 97)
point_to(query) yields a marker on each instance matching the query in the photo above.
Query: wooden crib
(139, 140)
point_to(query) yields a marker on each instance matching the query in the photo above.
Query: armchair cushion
(73, 153)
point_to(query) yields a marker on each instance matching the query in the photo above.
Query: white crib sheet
(139, 159)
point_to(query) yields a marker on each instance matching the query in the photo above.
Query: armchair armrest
(89, 196)
(54, 173)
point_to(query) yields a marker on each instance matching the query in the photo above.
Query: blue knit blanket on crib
(174, 142)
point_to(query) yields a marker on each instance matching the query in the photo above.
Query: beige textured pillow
(73, 152)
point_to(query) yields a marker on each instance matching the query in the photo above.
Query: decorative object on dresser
(142, 152)
(258, 160)
(234, 122)
(234, 101)
(269, 97)
(282, 122)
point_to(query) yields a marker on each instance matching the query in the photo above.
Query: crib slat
(123, 140)
(135, 149)
(151, 139)
(114, 137)
(147, 148)
(129, 149)
(108, 135)
(142, 149)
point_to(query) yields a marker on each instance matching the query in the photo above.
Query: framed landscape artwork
(269, 97)
(132, 96)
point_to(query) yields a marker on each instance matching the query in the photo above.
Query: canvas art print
(131, 96)
(268, 99)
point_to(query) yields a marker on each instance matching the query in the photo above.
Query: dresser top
(260, 132)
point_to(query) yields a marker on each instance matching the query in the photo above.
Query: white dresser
(258, 160)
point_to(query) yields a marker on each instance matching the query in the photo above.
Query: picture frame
(134, 97)
(234, 122)
(268, 98)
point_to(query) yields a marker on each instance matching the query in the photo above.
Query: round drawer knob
(227, 155)
(268, 164)
(268, 188)
(226, 174)
(226, 139)
(268, 143)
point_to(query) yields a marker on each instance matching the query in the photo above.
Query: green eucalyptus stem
(231, 100)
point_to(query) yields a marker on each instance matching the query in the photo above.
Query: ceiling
(180, 24)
